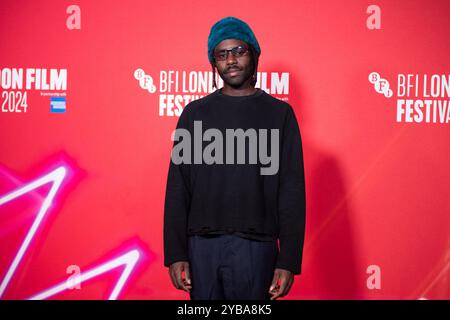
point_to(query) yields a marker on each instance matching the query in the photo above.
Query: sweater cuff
(290, 255)
(169, 260)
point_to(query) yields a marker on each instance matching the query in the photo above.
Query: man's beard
(239, 80)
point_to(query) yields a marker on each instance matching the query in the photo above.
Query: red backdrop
(93, 141)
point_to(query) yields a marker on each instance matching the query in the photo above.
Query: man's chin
(235, 83)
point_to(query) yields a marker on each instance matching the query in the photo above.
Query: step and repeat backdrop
(91, 91)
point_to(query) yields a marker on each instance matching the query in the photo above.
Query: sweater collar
(219, 93)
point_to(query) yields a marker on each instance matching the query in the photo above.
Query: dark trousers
(228, 267)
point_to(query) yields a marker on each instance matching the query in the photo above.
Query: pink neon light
(56, 177)
(128, 259)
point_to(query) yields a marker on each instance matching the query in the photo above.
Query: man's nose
(231, 59)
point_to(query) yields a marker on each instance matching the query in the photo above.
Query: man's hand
(281, 283)
(180, 281)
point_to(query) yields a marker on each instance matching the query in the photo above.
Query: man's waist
(205, 231)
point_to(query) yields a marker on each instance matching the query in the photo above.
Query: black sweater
(237, 198)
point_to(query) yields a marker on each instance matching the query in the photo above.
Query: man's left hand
(281, 283)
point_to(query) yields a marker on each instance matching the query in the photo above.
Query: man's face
(235, 71)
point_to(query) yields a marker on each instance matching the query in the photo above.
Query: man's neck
(229, 91)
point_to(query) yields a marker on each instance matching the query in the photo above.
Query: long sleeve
(176, 207)
(291, 198)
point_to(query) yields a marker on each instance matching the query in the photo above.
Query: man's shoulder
(197, 103)
(279, 105)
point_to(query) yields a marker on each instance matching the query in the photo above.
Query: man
(223, 219)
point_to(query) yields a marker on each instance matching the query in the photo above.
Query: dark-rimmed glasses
(237, 52)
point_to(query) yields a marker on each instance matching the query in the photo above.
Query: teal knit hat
(231, 28)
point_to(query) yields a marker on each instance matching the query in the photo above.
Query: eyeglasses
(237, 52)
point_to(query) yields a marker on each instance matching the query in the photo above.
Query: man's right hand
(180, 281)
